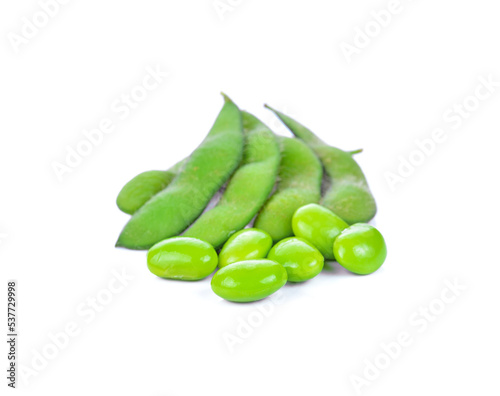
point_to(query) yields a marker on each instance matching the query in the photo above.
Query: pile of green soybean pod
(271, 182)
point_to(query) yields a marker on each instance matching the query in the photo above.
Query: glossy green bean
(182, 258)
(299, 184)
(250, 280)
(172, 210)
(301, 259)
(247, 244)
(349, 195)
(318, 225)
(360, 249)
(248, 188)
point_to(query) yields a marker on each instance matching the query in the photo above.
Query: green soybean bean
(172, 210)
(248, 244)
(144, 186)
(319, 226)
(248, 188)
(249, 280)
(300, 258)
(182, 258)
(299, 184)
(349, 195)
(360, 249)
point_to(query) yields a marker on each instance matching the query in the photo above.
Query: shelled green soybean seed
(250, 280)
(319, 226)
(360, 249)
(182, 258)
(300, 258)
(247, 244)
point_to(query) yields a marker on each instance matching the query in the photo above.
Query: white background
(164, 338)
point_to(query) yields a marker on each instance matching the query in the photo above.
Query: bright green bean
(144, 186)
(172, 210)
(299, 184)
(247, 244)
(318, 225)
(182, 258)
(247, 190)
(250, 280)
(300, 258)
(360, 249)
(349, 195)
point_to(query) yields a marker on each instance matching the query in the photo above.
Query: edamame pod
(349, 195)
(299, 184)
(249, 280)
(144, 186)
(172, 210)
(248, 188)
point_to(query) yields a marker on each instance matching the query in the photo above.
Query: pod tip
(278, 113)
(358, 151)
(226, 98)
(119, 242)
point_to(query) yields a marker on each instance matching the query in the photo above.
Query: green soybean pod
(349, 195)
(299, 184)
(144, 186)
(248, 188)
(172, 210)
(182, 258)
(250, 280)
